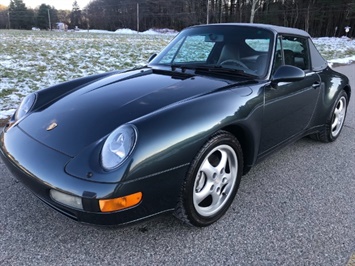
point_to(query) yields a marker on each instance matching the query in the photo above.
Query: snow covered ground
(31, 60)
(336, 50)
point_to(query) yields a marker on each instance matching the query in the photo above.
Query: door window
(291, 50)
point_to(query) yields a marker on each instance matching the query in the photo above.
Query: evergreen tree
(3, 17)
(20, 16)
(43, 17)
(75, 16)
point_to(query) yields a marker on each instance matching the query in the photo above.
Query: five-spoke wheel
(212, 181)
(335, 121)
(338, 116)
(215, 180)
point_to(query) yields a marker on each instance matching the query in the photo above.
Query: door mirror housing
(287, 73)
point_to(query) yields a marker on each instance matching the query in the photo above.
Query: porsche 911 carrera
(177, 134)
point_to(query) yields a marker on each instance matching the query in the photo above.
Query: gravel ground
(294, 208)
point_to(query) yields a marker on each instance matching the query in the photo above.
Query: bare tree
(255, 5)
(319, 17)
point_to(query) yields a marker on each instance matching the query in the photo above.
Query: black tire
(335, 122)
(212, 181)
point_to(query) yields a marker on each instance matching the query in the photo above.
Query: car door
(289, 106)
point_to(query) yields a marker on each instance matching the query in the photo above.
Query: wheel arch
(347, 89)
(247, 142)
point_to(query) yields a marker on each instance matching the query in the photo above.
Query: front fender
(172, 137)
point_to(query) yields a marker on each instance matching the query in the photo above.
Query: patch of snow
(7, 113)
(94, 31)
(126, 31)
(160, 31)
(343, 61)
(129, 31)
(336, 50)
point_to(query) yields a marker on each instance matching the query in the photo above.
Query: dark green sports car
(178, 134)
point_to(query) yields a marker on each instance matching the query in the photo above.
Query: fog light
(65, 199)
(110, 205)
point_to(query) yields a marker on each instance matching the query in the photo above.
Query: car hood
(91, 112)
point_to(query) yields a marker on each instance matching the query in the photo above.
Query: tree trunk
(306, 22)
(253, 10)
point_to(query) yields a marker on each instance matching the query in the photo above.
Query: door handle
(316, 85)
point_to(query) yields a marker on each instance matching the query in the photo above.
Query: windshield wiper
(214, 69)
(223, 70)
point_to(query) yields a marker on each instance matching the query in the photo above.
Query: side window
(295, 52)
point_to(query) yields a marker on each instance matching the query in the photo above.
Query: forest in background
(318, 17)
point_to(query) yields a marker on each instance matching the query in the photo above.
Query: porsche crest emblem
(52, 126)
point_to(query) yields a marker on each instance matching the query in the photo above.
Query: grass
(5, 93)
(336, 48)
(31, 60)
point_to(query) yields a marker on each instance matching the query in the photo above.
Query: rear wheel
(212, 181)
(335, 122)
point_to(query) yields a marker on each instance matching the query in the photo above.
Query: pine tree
(20, 16)
(75, 16)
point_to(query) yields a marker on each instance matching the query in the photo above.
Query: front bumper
(41, 169)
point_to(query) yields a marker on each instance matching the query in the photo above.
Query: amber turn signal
(116, 204)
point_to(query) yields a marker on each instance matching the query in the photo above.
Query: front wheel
(335, 122)
(212, 181)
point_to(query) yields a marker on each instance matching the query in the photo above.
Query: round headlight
(118, 146)
(25, 106)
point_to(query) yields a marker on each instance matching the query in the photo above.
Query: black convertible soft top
(275, 29)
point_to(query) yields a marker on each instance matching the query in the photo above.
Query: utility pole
(49, 20)
(8, 15)
(137, 17)
(208, 12)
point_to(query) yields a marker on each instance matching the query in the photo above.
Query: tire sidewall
(332, 138)
(219, 139)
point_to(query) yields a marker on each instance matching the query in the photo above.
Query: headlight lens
(118, 146)
(25, 106)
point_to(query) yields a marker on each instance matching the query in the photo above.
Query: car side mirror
(287, 73)
(152, 57)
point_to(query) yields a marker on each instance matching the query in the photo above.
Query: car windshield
(220, 48)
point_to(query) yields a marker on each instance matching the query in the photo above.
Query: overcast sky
(58, 4)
